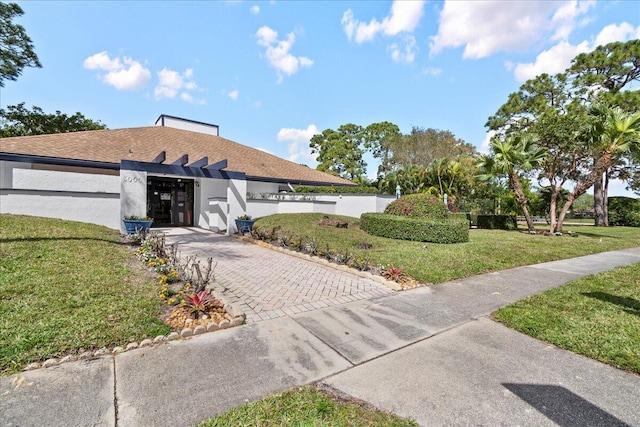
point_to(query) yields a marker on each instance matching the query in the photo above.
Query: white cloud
(255, 9)
(233, 94)
(403, 18)
(278, 52)
(299, 139)
(171, 83)
(486, 27)
(432, 71)
(406, 53)
(484, 147)
(558, 58)
(123, 74)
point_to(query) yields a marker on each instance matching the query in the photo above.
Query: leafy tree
(601, 76)
(379, 139)
(16, 120)
(512, 157)
(16, 48)
(340, 152)
(423, 146)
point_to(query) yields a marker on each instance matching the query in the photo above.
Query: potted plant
(244, 223)
(134, 224)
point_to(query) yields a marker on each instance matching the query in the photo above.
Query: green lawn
(597, 316)
(67, 286)
(487, 250)
(306, 406)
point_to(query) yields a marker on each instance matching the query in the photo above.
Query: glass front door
(170, 201)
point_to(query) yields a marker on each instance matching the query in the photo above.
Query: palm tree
(612, 132)
(515, 155)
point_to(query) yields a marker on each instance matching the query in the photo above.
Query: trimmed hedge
(330, 189)
(498, 222)
(418, 205)
(417, 229)
(624, 211)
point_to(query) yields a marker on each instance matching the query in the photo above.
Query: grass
(597, 316)
(486, 251)
(66, 287)
(306, 406)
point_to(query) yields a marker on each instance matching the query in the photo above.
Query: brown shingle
(145, 143)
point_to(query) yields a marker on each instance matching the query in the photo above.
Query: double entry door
(170, 201)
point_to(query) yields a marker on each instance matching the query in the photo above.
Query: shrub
(417, 229)
(417, 205)
(624, 211)
(498, 222)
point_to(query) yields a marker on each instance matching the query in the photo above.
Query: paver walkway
(267, 284)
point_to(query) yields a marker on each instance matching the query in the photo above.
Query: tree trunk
(598, 203)
(605, 201)
(552, 207)
(563, 212)
(521, 199)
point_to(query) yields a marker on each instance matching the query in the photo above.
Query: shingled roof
(145, 143)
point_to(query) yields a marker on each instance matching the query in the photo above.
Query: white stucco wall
(236, 202)
(207, 189)
(177, 123)
(133, 194)
(217, 214)
(260, 208)
(262, 187)
(92, 198)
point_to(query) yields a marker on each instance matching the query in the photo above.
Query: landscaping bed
(486, 251)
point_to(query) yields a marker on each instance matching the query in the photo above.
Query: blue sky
(271, 74)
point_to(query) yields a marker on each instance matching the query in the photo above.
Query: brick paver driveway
(268, 284)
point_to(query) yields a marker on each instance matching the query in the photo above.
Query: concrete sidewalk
(428, 353)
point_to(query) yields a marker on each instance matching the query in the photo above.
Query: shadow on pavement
(563, 407)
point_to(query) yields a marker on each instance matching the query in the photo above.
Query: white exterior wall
(133, 194)
(383, 202)
(189, 125)
(91, 198)
(260, 208)
(354, 205)
(205, 190)
(236, 202)
(262, 187)
(217, 214)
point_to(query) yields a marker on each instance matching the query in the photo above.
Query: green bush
(461, 216)
(498, 222)
(351, 189)
(418, 205)
(418, 229)
(624, 211)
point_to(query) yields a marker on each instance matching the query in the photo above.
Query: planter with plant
(244, 223)
(135, 224)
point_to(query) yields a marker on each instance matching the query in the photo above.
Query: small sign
(165, 196)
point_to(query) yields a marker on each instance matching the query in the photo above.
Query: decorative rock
(224, 324)
(85, 355)
(102, 352)
(173, 336)
(212, 326)
(160, 338)
(132, 346)
(199, 330)
(68, 358)
(117, 350)
(49, 363)
(186, 332)
(237, 321)
(146, 343)
(32, 366)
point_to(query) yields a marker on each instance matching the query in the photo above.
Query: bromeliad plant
(198, 303)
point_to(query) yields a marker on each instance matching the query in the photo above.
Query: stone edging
(364, 274)
(237, 315)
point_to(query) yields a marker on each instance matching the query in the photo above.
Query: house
(180, 172)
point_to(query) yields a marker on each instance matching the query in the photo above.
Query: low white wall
(91, 197)
(217, 214)
(260, 208)
(206, 189)
(94, 208)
